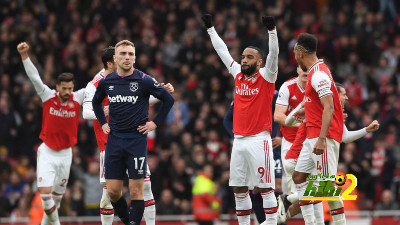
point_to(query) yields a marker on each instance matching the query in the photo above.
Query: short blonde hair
(124, 43)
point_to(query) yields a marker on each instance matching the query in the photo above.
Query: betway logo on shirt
(62, 113)
(245, 90)
(121, 98)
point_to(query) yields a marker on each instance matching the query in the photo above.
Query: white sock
(270, 207)
(337, 212)
(57, 200)
(50, 209)
(293, 198)
(319, 213)
(301, 188)
(106, 209)
(307, 210)
(149, 203)
(243, 208)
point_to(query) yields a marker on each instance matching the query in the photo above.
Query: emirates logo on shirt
(245, 90)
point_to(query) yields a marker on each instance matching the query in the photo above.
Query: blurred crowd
(359, 39)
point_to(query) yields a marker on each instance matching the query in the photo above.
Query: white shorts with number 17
(252, 162)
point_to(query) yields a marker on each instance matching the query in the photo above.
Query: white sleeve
(79, 95)
(153, 100)
(289, 119)
(270, 70)
(42, 90)
(350, 136)
(222, 50)
(88, 113)
(321, 83)
(283, 96)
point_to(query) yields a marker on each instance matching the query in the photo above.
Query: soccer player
(324, 117)
(293, 154)
(290, 95)
(276, 143)
(252, 121)
(106, 209)
(59, 133)
(128, 91)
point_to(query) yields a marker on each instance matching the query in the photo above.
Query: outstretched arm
(350, 136)
(270, 70)
(220, 47)
(41, 89)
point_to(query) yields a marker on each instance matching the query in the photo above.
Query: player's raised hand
(169, 87)
(23, 48)
(374, 126)
(149, 126)
(106, 128)
(269, 22)
(207, 19)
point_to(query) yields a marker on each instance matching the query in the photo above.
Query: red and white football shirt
(101, 137)
(321, 84)
(290, 95)
(252, 113)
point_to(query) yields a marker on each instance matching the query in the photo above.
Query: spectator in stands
(387, 202)
(166, 205)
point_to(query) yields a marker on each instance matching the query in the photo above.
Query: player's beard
(250, 70)
(65, 97)
(302, 66)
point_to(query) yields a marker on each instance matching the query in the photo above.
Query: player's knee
(136, 192)
(44, 190)
(113, 194)
(264, 190)
(240, 189)
(298, 178)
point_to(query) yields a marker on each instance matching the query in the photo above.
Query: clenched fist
(23, 48)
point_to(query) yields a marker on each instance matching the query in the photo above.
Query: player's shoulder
(96, 79)
(291, 81)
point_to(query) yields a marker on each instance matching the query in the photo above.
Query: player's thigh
(238, 166)
(62, 174)
(261, 163)
(289, 165)
(114, 158)
(136, 157)
(305, 162)
(285, 146)
(45, 168)
(326, 163)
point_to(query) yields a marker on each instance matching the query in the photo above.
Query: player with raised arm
(294, 152)
(59, 133)
(128, 91)
(252, 121)
(106, 209)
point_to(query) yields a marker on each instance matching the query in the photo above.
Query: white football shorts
(53, 168)
(252, 162)
(325, 164)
